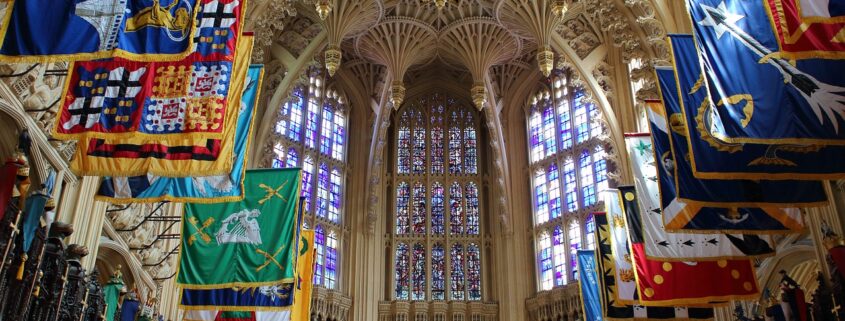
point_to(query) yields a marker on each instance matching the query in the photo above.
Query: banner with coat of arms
(65, 30)
(196, 189)
(119, 98)
(246, 244)
(172, 157)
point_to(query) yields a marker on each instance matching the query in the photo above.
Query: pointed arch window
(568, 166)
(312, 134)
(438, 208)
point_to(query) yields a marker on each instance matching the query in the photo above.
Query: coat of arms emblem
(240, 227)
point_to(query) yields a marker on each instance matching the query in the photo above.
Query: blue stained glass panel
(319, 251)
(419, 206)
(437, 209)
(472, 209)
(456, 209)
(418, 276)
(403, 214)
(474, 272)
(438, 272)
(458, 287)
(402, 272)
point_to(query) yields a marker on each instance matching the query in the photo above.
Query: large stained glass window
(437, 223)
(566, 151)
(311, 128)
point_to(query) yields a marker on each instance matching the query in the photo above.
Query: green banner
(248, 243)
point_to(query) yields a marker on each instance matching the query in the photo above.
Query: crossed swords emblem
(272, 192)
(200, 230)
(270, 258)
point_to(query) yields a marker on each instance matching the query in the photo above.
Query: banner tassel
(19, 276)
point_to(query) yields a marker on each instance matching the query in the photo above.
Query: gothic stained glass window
(574, 246)
(438, 272)
(403, 214)
(545, 257)
(419, 206)
(312, 136)
(590, 234)
(568, 168)
(418, 276)
(331, 260)
(438, 203)
(457, 272)
(402, 268)
(320, 252)
(472, 208)
(474, 272)
(437, 209)
(323, 180)
(559, 252)
(456, 209)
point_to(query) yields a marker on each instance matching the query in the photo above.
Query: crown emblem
(626, 275)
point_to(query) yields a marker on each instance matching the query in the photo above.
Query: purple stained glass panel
(402, 272)
(437, 209)
(458, 287)
(472, 209)
(438, 272)
(403, 214)
(419, 206)
(474, 272)
(456, 209)
(418, 279)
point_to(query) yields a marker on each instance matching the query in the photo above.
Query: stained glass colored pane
(326, 131)
(293, 159)
(404, 150)
(456, 209)
(437, 209)
(323, 181)
(473, 272)
(418, 153)
(559, 251)
(307, 178)
(418, 286)
(535, 140)
(403, 214)
(331, 261)
(402, 271)
(339, 136)
(565, 123)
(334, 196)
(582, 123)
(553, 177)
(455, 152)
(457, 272)
(541, 196)
(470, 150)
(311, 123)
(588, 186)
(544, 248)
(296, 107)
(472, 209)
(419, 209)
(549, 137)
(595, 125)
(438, 272)
(600, 166)
(590, 236)
(279, 160)
(437, 140)
(570, 185)
(320, 251)
(574, 246)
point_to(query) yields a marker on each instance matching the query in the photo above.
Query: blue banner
(54, 30)
(679, 215)
(711, 157)
(205, 189)
(765, 92)
(589, 284)
(724, 192)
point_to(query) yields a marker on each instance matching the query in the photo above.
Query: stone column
(79, 208)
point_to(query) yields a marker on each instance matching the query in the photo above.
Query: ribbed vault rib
(347, 19)
(479, 43)
(398, 43)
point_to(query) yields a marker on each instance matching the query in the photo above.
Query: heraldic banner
(63, 30)
(172, 157)
(118, 98)
(589, 284)
(775, 68)
(197, 189)
(668, 283)
(248, 243)
(613, 309)
(712, 158)
(663, 246)
(268, 302)
(694, 216)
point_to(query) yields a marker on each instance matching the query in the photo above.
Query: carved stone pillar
(80, 209)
